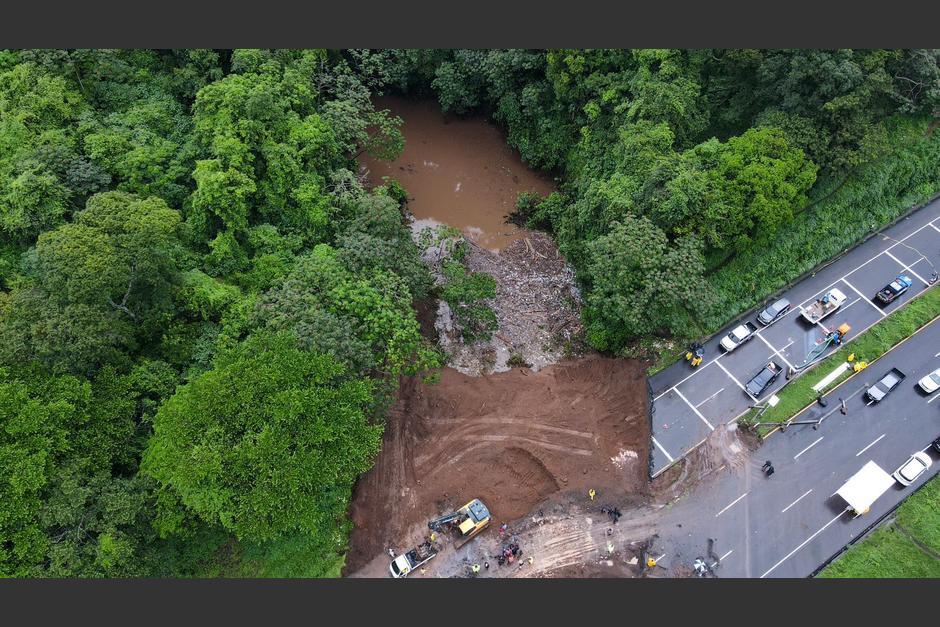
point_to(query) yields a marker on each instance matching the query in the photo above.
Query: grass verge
(869, 346)
(892, 551)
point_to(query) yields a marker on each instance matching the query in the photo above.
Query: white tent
(865, 486)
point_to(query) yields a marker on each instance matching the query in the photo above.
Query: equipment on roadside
(695, 354)
(469, 520)
(833, 338)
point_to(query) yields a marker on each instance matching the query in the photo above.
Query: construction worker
(650, 562)
(476, 569)
(591, 493)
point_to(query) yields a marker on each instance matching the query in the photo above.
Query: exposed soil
(457, 171)
(726, 447)
(512, 439)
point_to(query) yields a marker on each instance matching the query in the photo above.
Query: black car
(760, 381)
(774, 312)
(936, 445)
(885, 385)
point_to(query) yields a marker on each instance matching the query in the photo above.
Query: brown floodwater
(457, 171)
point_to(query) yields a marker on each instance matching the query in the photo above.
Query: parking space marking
(908, 268)
(866, 299)
(697, 412)
(871, 445)
(933, 398)
(665, 452)
(800, 307)
(804, 543)
(776, 352)
(721, 559)
(796, 501)
(728, 506)
(697, 370)
(711, 397)
(809, 447)
(736, 382)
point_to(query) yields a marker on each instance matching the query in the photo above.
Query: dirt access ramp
(511, 439)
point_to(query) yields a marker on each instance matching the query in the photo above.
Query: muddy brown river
(457, 171)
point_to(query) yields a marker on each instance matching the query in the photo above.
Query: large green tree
(268, 443)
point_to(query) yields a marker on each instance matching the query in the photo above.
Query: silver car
(913, 468)
(774, 312)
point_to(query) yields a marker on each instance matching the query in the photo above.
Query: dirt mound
(511, 439)
(726, 448)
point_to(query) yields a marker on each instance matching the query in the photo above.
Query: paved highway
(788, 524)
(689, 404)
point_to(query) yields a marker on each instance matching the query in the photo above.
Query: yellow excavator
(469, 520)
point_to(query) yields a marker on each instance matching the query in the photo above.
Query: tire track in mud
(570, 427)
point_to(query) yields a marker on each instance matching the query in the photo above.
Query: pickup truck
(894, 289)
(831, 301)
(885, 385)
(759, 382)
(738, 335)
(407, 562)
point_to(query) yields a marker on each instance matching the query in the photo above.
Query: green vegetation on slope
(191, 272)
(714, 157)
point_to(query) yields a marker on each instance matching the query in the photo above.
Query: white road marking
(711, 397)
(776, 352)
(736, 382)
(796, 501)
(933, 398)
(871, 445)
(866, 299)
(804, 543)
(908, 268)
(720, 559)
(800, 308)
(730, 504)
(665, 452)
(697, 412)
(660, 557)
(809, 447)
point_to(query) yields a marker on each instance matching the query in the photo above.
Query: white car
(930, 383)
(913, 468)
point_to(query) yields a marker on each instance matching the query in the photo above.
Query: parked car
(760, 381)
(930, 383)
(913, 468)
(895, 288)
(885, 385)
(738, 336)
(936, 445)
(774, 312)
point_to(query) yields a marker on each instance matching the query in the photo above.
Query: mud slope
(511, 439)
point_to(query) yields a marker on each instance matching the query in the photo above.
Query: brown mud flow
(457, 171)
(512, 439)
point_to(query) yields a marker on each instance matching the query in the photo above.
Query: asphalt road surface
(788, 524)
(688, 404)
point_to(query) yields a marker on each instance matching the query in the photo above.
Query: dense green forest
(204, 314)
